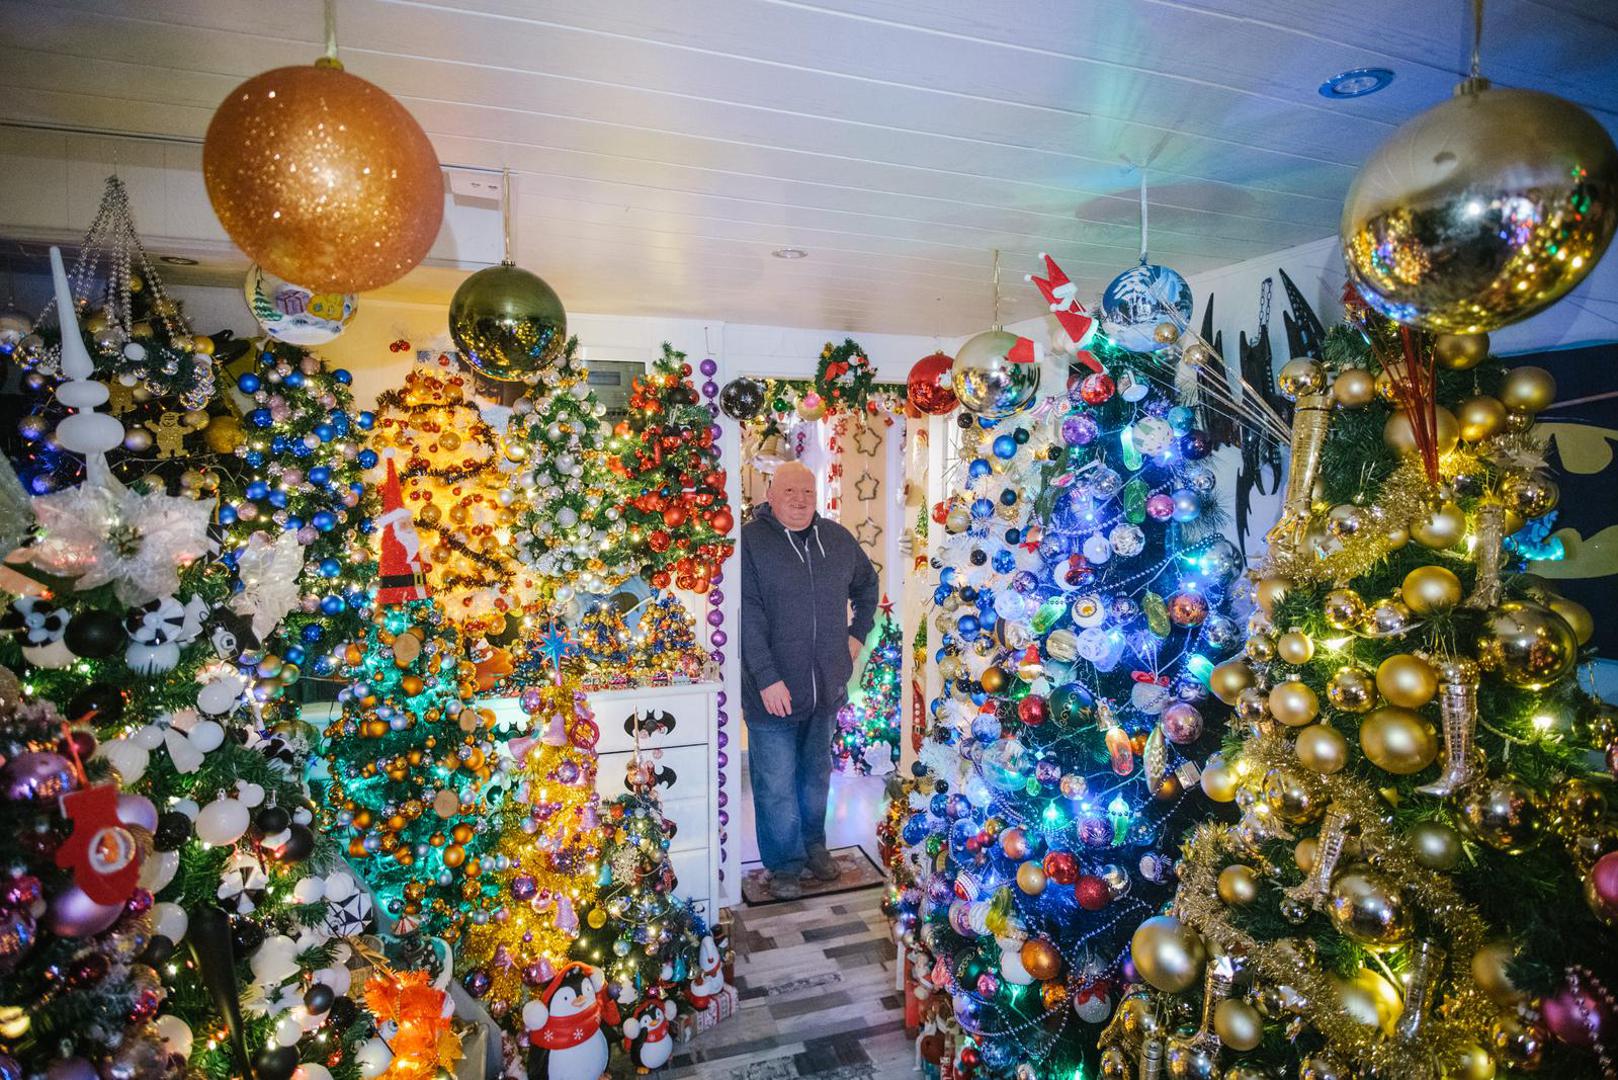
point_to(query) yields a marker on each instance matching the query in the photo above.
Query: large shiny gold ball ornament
(1295, 647)
(1527, 645)
(1529, 493)
(1253, 705)
(1168, 954)
(1398, 740)
(1367, 908)
(1260, 648)
(1238, 1024)
(1435, 845)
(1321, 748)
(1480, 417)
(1491, 970)
(1229, 679)
(1353, 388)
(1219, 780)
(1031, 877)
(1460, 352)
(1577, 617)
(1406, 680)
(1441, 529)
(1269, 592)
(1370, 1000)
(1481, 211)
(1430, 590)
(1501, 812)
(1041, 959)
(1351, 689)
(1530, 389)
(1301, 377)
(508, 323)
(1293, 703)
(1400, 436)
(1343, 608)
(1388, 617)
(1291, 797)
(989, 383)
(323, 179)
(1238, 884)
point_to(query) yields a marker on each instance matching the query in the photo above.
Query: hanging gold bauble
(1260, 648)
(1238, 1024)
(1304, 853)
(1295, 647)
(1577, 617)
(1292, 797)
(1370, 1000)
(1268, 592)
(1480, 417)
(1343, 609)
(1430, 590)
(1491, 970)
(1398, 740)
(1293, 703)
(1219, 781)
(1300, 378)
(1406, 680)
(1527, 645)
(1238, 884)
(1529, 493)
(1041, 959)
(1401, 437)
(1367, 908)
(323, 179)
(1441, 529)
(1388, 617)
(1519, 1041)
(1351, 689)
(1460, 352)
(1031, 877)
(1472, 1063)
(1530, 389)
(1353, 388)
(1482, 210)
(1168, 954)
(1435, 845)
(1229, 679)
(223, 434)
(508, 323)
(1321, 748)
(1501, 812)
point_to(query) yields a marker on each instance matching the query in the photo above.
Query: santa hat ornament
(1063, 297)
(400, 576)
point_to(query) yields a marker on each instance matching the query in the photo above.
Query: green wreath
(844, 377)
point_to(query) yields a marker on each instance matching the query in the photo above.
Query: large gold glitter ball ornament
(1344, 609)
(1491, 970)
(1351, 689)
(1368, 909)
(508, 323)
(1301, 377)
(1482, 210)
(1435, 845)
(1401, 437)
(987, 381)
(323, 178)
(1353, 388)
(1295, 647)
(1238, 884)
(1291, 797)
(1321, 748)
(223, 434)
(1529, 389)
(1440, 529)
(1293, 703)
(1460, 352)
(1228, 680)
(1527, 645)
(1398, 740)
(1501, 812)
(1430, 590)
(1168, 954)
(1238, 1024)
(1480, 417)
(1576, 615)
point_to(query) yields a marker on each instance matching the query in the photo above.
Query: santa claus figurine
(709, 980)
(647, 1039)
(564, 1027)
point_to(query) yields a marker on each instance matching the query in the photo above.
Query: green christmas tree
(603, 638)
(867, 739)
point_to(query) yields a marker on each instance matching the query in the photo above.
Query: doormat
(858, 871)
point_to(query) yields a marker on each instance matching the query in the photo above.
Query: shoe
(822, 867)
(785, 887)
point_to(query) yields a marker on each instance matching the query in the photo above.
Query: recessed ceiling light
(790, 253)
(176, 260)
(1356, 83)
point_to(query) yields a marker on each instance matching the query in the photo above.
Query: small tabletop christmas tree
(867, 739)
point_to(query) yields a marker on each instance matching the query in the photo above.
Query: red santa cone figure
(564, 1027)
(647, 1038)
(1063, 297)
(709, 979)
(399, 574)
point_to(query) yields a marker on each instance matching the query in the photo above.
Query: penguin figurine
(647, 1038)
(710, 978)
(564, 1027)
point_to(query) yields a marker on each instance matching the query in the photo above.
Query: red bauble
(715, 479)
(940, 511)
(1188, 609)
(674, 516)
(659, 541)
(1091, 893)
(722, 521)
(1033, 710)
(1061, 867)
(1097, 389)
(931, 388)
(660, 580)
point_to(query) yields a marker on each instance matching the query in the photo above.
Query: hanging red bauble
(660, 580)
(674, 516)
(722, 521)
(1096, 389)
(1091, 892)
(930, 388)
(1061, 867)
(659, 541)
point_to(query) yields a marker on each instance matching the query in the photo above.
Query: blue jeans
(790, 766)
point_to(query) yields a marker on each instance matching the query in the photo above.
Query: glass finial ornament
(1143, 297)
(86, 431)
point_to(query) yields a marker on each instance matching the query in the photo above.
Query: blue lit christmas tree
(867, 738)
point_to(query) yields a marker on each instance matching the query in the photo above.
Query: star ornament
(868, 441)
(867, 533)
(101, 532)
(866, 487)
(555, 645)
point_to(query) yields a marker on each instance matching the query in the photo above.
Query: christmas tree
(867, 737)
(679, 517)
(573, 512)
(1081, 599)
(410, 758)
(666, 639)
(603, 639)
(449, 461)
(1421, 870)
(300, 466)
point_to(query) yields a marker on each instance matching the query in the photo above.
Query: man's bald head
(792, 495)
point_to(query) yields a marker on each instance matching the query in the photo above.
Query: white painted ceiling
(662, 150)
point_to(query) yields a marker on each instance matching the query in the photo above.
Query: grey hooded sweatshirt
(795, 620)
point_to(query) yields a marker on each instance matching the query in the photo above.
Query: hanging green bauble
(508, 323)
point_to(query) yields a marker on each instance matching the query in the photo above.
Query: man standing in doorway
(800, 573)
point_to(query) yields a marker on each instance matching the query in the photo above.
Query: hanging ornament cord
(1143, 217)
(505, 216)
(1474, 79)
(329, 59)
(994, 300)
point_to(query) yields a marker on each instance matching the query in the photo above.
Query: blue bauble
(968, 627)
(248, 383)
(255, 458)
(331, 606)
(294, 379)
(342, 376)
(1140, 298)
(1194, 445)
(365, 420)
(294, 654)
(260, 418)
(278, 499)
(278, 444)
(227, 515)
(293, 523)
(367, 458)
(325, 432)
(339, 421)
(1005, 447)
(1003, 562)
(979, 468)
(301, 448)
(320, 475)
(257, 489)
(311, 633)
(1181, 418)
(324, 520)
(982, 508)
(330, 568)
(324, 665)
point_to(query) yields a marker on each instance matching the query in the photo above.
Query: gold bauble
(1353, 388)
(1343, 609)
(1300, 378)
(1293, 703)
(323, 179)
(1398, 740)
(1304, 853)
(1260, 648)
(993, 680)
(1321, 748)
(1168, 954)
(1431, 590)
(1219, 781)
(1501, 812)
(1435, 845)
(1491, 970)
(1386, 389)
(1443, 528)
(1238, 1024)
(430, 515)
(1368, 908)
(1519, 1040)
(1530, 389)
(1406, 680)
(1460, 352)
(1527, 645)
(1472, 1063)
(1370, 1000)
(1292, 797)
(223, 434)
(1388, 617)
(1400, 436)
(1238, 884)
(1295, 647)
(1268, 592)
(508, 323)
(1041, 959)
(1031, 877)
(1229, 679)
(1480, 417)
(1351, 689)
(1577, 617)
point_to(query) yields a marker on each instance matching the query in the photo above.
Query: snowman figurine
(709, 980)
(647, 1039)
(564, 1027)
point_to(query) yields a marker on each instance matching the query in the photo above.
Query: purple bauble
(715, 597)
(23, 891)
(37, 774)
(16, 938)
(476, 982)
(1604, 884)
(719, 657)
(1182, 723)
(523, 887)
(73, 914)
(716, 618)
(718, 639)
(709, 366)
(1079, 430)
(534, 974)
(1576, 1015)
(531, 700)
(10, 1068)
(1160, 507)
(1095, 832)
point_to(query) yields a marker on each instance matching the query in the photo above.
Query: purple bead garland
(716, 635)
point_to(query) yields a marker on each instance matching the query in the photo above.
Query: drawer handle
(661, 722)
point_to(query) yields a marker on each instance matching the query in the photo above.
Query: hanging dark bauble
(107, 702)
(246, 935)
(272, 819)
(276, 1063)
(742, 399)
(298, 846)
(508, 323)
(95, 634)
